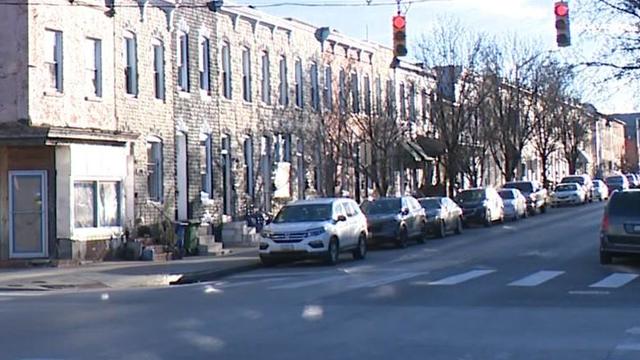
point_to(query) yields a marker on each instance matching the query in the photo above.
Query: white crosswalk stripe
(460, 278)
(315, 281)
(537, 278)
(380, 281)
(615, 280)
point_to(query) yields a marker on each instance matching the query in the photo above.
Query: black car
(443, 215)
(395, 219)
(481, 205)
(620, 231)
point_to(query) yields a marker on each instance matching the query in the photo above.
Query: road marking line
(460, 278)
(537, 278)
(628, 347)
(588, 292)
(301, 284)
(386, 280)
(251, 282)
(614, 281)
(276, 274)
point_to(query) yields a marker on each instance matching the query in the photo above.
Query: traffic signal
(399, 36)
(563, 36)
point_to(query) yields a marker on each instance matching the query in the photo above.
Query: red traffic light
(399, 22)
(561, 9)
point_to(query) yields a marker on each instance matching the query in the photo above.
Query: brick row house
(126, 115)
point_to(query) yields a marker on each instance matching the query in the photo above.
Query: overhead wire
(257, 6)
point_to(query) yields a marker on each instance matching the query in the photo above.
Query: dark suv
(536, 195)
(620, 231)
(395, 218)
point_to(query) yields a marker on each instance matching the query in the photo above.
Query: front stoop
(238, 234)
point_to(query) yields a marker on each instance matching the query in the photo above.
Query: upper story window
(93, 58)
(248, 159)
(367, 95)
(341, 91)
(403, 105)
(226, 70)
(183, 62)
(158, 70)
(299, 85)
(204, 65)
(154, 170)
(54, 58)
(315, 91)
(131, 64)
(378, 95)
(412, 103)
(246, 75)
(328, 88)
(424, 105)
(266, 79)
(391, 98)
(284, 86)
(355, 93)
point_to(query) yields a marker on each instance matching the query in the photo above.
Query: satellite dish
(322, 34)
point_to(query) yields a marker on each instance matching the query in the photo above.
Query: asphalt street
(531, 289)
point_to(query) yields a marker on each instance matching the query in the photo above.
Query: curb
(211, 275)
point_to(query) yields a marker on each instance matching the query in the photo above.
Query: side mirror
(405, 211)
(341, 218)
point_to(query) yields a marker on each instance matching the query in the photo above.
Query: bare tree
(456, 55)
(550, 111)
(510, 72)
(574, 131)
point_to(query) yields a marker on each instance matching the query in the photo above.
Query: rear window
(430, 203)
(573, 179)
(614, 180)
(383, 206)
(566, 187)
(506, 194)
(471, 195)
(625, 204)
(525, 187)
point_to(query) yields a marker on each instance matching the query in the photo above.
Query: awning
(584, 157)
(415, 151)
(431, 146)
(17, 133)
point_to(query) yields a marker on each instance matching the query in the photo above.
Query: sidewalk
(130, 274)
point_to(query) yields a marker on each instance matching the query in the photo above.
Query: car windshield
(615, 180)
(567, 187)
(471, 195)
(507, 194)
(383, 206)
(573, 179)
(304, 213)
(525, 187)
(625, 204)
(430, 204)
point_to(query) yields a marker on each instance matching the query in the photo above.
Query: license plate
(287, 248)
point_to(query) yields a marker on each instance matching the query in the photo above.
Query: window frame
(283, 98)
(266, 78)
(204, 64)
(328, 88)
(158, 194)
(299, 83)
(56, 64)
(95, 185)
(225, 62)
(315, 87)
(158, 70)
(95, 66)
(206, 186)
(183, 82)
(131, 64)
(246, 75)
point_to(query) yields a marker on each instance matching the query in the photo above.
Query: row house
(128, 115)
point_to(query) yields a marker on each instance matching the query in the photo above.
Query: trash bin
(191, 237)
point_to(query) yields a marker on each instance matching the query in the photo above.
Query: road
(523, 290)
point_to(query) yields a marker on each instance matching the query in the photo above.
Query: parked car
(600, 190)
(584, 180)
(443, 215)
(318, 228)
(534, 193)
(634, 182)
(568, 194)
(620, 231)
(395, 219)
(515, 204)
(616, 183)
(482, 205)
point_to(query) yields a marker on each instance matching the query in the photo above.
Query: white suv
(318, 228)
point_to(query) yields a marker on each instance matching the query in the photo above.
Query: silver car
(568, 194)
(515, 204)
(620, 231)
(600, 190)
(318, 228)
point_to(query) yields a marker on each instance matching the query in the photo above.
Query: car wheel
(442, 230)
(543, 209)
(488, 221)
(268, 262)
(361, 251)
(423, 234)
(403, 237)
(333, 253)
(459, 226)
(605, 258)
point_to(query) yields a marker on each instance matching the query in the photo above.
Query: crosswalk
(372, 278)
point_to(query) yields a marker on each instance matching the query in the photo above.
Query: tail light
(605, 223)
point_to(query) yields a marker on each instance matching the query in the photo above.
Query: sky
(528, 19)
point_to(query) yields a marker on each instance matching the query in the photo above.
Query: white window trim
(100, 231)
